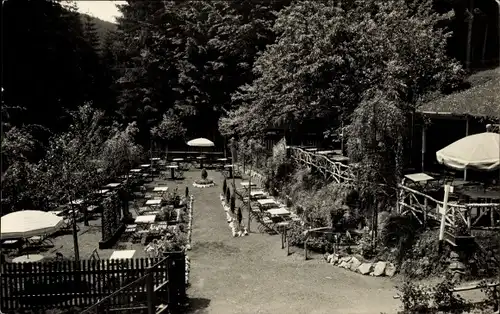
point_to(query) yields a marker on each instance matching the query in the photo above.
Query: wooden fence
(425, 207)
(329, 168)
(71, 284)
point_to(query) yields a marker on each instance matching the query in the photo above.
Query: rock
(379, 269)
(343, 264)
(355, 263)
(346, 259)
(390, 270)
(457, 277)
(365, 268)
(327, 257)
(335, 259)
(456, 266)
(454, 255)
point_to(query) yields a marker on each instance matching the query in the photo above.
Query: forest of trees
(174, 70)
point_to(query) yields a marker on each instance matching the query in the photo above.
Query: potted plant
(205, 181)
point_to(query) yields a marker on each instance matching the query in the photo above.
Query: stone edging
(203, 185)
(231, 220)
(190, 222)
(354, 264)
(187, 269)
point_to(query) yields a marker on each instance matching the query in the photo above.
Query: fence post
(150, 290)
(495, 298)
(287, 244)
(305, 247)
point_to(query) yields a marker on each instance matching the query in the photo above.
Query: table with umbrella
(28, 224)
(30, 258)
(201, 142)
(477, 152)
(480, 152)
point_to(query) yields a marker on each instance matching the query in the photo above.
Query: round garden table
(31, 258)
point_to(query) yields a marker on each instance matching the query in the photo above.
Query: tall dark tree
(90, 32)
(189, 57)
(44, 61)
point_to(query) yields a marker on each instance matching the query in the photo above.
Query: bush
(204, 174)
(399, 232)
(296, 237)
(415, 298)
(424, 259)
(224, 187)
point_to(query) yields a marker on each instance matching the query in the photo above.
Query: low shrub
(425, 259)
(204, 174)
(315, 243)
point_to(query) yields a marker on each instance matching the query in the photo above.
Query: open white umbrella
(201, 142)
(478, 152)
(29, 223)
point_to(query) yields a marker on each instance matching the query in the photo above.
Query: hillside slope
(102, 27)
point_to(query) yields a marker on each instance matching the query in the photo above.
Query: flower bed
(204, 183)
(175, 238)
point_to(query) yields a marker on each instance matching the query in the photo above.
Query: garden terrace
(474, 206)
(135, 221)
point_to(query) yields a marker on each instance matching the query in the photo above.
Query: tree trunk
(75, 232)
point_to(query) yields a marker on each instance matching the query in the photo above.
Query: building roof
(481, 100)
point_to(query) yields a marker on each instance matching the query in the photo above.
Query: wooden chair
(94, 256)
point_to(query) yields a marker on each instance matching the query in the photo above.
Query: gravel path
(253, 274)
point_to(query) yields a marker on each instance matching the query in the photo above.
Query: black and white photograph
(250, 157)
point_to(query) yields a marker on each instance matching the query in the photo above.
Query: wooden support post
(466, 134)
(287, 247)
(492, 216)
(282, 239)
(425, 211)
(150, 290)
(469, 218)
(495, 299)
(445, 209)
(424, 144)
(305, 247)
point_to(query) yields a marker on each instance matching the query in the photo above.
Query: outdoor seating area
(273, 216)
(37, 236)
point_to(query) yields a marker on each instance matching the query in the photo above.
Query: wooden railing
(494, 286)
(425, 207)
(330, 169)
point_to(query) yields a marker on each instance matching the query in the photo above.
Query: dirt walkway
(253, 275)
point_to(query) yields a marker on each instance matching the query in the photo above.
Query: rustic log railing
(424, 207)
(330, 169)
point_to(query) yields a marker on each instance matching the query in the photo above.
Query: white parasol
(201, 142)
(29, 223)
(478, 152)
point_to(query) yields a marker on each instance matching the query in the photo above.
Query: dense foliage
(170, 70)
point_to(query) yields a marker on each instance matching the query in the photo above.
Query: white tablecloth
(122, 254)
(145, 219)
(153, 202)
(160, 189)
(278, 211)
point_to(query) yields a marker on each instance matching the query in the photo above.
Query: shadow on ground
(197, 306)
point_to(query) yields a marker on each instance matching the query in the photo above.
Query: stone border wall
(190, 206)
(352, 263)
